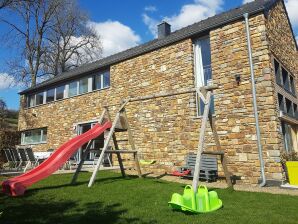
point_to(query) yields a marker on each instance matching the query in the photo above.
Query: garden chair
(17, 158)
(73, 161)
(25, 160)
(33, 161)
(9, 158)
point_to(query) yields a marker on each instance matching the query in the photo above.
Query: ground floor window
(289, 133)
(34, 136)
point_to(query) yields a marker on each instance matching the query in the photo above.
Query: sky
(129, 24)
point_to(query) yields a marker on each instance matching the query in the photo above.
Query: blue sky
(129, 24)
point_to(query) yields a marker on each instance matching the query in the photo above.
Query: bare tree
(5, 3)
(53, 35)
(71, 42)
(3, 112)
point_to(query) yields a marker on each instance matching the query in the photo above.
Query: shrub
(8, 139)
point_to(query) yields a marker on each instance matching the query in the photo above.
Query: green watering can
(201, 202)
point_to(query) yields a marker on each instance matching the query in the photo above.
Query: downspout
(255, 108)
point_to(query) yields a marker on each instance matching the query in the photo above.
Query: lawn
(113, 199)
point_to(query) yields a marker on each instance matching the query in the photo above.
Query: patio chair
(9, 158)
(25, 160)
(16, 157)
(73, 161)
(33, 161)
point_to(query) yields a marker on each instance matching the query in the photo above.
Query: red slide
(16, 186)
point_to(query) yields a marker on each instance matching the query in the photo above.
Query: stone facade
(166, 129)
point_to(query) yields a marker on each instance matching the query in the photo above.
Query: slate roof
(255, 7)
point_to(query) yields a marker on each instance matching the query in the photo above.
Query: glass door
(203, 71)
(97, 144)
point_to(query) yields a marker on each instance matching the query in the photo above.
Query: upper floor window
(203, 71)
(101, 80)
(50, 95)
(39, 98)
(86, 84)
(287, 106)
(284, 78)
(83, 85)
(73, 89)
(31, 100)
(60, 92)
(34, 136)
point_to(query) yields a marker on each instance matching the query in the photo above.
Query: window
(277, 72)
(97, 82)
(73, 89)
(50, 95)
(31, 101)
(284, 78)
(34, 136)
(281, 103)
(87, 84)
(295, 111)
(60, 92)
(83, 85)
(292, 85)
(203, 71)
(101, 80)
(289, 106)
(106, 79)
(39, 98)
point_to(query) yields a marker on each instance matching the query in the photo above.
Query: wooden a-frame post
(207, 92)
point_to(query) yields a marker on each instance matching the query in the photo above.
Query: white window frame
(90, 80)
(66, 88)
(33, 143)
(198, 71)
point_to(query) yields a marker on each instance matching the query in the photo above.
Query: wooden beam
(119, 151)
(116, 148)
(88, 147)
(132, 143)
(157, 95)
(100, 159)
(201, 143)
(84, 157)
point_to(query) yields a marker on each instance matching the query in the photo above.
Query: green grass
(113, 199)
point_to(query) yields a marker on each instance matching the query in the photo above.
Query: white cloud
(150, 8)
(188, 15)
(115, 36)
(292, 7)
(6, 81)
(247, 1)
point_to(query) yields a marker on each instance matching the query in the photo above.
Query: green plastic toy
(201, 202)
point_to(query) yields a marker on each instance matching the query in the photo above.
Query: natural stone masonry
(282, 47)
(166, 129)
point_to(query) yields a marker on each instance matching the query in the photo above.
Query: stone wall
(282, 47)
(166, 129)
(234, 102)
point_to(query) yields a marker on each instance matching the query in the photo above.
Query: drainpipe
(253, 84)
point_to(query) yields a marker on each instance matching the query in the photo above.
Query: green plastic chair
(201, 202)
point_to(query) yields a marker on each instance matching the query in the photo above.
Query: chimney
(164, 29)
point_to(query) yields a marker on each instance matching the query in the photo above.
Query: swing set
(196, 198)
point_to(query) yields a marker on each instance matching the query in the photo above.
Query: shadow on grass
(25, 211)
(106, 180)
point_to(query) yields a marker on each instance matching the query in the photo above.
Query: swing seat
(181, 174)
(147, 162)
(201, 202)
